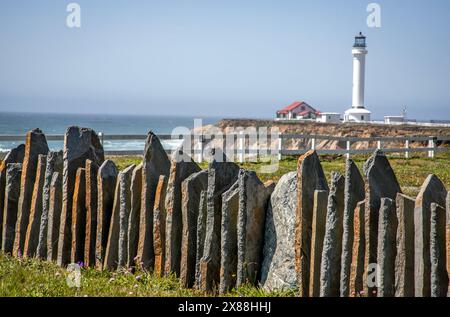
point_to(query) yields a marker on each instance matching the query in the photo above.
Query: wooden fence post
(280, 146)
(241, 146)
(432, 145)
(407, 148)
(200, 149)
(347, 155)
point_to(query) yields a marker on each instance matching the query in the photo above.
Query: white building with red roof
(298, 110)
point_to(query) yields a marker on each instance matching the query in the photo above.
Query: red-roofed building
(297, 111)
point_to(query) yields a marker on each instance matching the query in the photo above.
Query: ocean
(20, 123)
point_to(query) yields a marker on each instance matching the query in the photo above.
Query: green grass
(35, 278)
(411, 173)
(38, 278)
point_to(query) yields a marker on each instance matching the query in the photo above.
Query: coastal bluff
(337, 129)
(360, 130)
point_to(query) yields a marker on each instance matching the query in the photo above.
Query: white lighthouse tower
(358, 113)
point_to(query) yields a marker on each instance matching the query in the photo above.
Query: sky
(229, 58)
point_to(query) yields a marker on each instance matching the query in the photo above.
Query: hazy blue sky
(222, 57)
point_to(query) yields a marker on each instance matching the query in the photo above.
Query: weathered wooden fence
(431, 149)
(243, 150)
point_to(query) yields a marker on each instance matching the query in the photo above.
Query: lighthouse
(358, 112)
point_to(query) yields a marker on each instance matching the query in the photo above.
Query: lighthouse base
(357, 115)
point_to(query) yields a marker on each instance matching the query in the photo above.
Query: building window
(362, 118)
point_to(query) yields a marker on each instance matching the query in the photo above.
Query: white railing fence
(265, 145)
